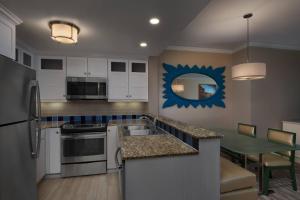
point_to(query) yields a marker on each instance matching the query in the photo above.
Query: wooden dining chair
(247, 129)
(278, 160)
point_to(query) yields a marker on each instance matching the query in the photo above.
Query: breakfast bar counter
(173, 160)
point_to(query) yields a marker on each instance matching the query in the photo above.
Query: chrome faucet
(153, 123)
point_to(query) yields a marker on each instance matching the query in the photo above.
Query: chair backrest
(282, 137)
(247, 129)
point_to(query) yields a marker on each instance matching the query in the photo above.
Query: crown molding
(270, 46)
(14, 18)
(199, 49)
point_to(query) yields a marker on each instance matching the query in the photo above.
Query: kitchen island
(168, 165)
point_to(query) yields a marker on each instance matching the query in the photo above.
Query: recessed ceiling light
(143, 44)
(154, 21)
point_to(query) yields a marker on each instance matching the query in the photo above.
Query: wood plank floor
(99, 187)
(106, 187)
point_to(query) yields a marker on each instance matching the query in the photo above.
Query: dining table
(246, 145)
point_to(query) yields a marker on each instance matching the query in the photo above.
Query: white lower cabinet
(41, 160)
(53, 151)
(112, 145)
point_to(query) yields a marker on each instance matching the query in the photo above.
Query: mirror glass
(194, 86)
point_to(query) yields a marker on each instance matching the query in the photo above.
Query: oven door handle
(75, 137)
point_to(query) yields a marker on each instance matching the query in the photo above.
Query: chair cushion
(234, 177)
(246, 129)
(282, 137)
(271, 160)
(245, 194)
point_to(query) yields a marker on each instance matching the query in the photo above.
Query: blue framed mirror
(193, 86)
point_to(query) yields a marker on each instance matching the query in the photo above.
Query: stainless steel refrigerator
(19, 130)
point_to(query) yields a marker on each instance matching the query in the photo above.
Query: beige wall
(275, 98)
(153, 85)
(265, 103)
(92, 108)
(242, 95)
(215, 117)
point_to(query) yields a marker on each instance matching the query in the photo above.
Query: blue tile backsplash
(194, 142)
(105, 118)
(89, 118)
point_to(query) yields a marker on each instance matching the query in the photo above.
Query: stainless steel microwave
(86, 88)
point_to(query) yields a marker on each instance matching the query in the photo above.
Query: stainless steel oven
(87, 147)
(86, 88)
(83, 150)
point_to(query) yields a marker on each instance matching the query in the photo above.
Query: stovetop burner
(81, 128)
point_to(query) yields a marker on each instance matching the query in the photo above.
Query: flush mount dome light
(64, 32)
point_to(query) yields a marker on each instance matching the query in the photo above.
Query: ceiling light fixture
(143, 44)
(154, 21)
(248, 70)
(64, 32)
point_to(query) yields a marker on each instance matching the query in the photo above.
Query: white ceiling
(108, 27)
(115, 27)
(221, 25)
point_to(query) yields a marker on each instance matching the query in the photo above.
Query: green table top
(242, 144)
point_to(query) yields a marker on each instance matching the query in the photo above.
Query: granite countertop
(195, 132)
(50, 124)
(149, 146)
(138, 147)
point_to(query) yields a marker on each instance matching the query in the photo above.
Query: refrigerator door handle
(37, 117)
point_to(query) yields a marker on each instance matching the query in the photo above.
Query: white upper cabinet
(117, 79)
(24, 57)
(86, 67)
(76, 66)
(97, 67)
(138, 80)
(8, 22)
(128, 80)
(51, 73)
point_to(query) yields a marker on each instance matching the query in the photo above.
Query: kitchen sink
(135, 130)
(140, 132)
(136, 127)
